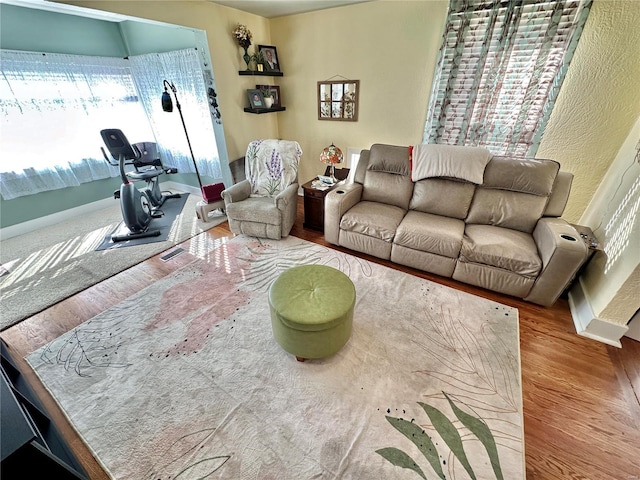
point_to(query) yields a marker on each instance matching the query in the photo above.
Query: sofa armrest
(562, 252)
(336, 203)
(236, 193)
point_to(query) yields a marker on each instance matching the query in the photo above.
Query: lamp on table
(332, 155)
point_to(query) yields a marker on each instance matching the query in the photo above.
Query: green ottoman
(312, 310)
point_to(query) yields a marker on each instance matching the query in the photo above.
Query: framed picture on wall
(338, 100)
(271, 62)
(256, 100)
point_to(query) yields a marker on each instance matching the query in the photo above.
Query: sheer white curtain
(183, 69)
(53, 108)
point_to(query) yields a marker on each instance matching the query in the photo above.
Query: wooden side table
(314, 200)
(314, 206)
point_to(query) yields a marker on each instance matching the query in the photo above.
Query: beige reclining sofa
(493, 222)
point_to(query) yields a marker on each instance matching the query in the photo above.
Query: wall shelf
(260, 74)
(264, 110)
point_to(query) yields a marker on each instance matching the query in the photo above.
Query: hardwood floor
(581, 398)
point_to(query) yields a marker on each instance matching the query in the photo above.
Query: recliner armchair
(265, 204)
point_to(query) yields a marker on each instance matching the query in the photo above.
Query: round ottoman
(312, 310)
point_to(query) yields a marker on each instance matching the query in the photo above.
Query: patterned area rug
(184, 379)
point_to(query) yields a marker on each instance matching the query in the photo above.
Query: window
(53, 108)
(499, 72)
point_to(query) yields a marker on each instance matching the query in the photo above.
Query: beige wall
(391, 47)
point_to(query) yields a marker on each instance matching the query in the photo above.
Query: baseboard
(586, 322)
(54, 218)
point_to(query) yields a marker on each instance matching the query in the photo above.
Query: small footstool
(203, 208)
(312, 310)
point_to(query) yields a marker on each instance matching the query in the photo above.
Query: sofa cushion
(430, 233)
(501, 247)
(387, 188)
(526, 175)
(442, 197)
(502, 208)
(376, 220)
(389, 159)
(255, 209)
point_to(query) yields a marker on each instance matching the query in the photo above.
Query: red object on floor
(211, 193)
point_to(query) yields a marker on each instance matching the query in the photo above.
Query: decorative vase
(246, 57)
(268, 102)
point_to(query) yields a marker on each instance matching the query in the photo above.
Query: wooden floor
(581, 397)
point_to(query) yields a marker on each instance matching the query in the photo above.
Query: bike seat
(146, 174)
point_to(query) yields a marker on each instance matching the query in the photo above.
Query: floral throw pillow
(272, 165)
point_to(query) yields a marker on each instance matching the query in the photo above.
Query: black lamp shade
(167, 104)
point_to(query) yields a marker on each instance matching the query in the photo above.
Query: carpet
(46, 266)
(170, 211)
(184, 380)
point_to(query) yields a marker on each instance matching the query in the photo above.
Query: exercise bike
(138, 207)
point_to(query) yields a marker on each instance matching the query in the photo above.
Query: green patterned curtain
(499, 71)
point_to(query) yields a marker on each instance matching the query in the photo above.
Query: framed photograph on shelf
(256, 100)
(271, 91)
(271, 62)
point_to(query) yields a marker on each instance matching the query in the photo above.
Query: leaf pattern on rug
(87, 348)
(451, 436)
(269, 259)
(482, 371)
(183, 458)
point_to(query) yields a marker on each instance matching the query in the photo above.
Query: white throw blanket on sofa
(464, 163)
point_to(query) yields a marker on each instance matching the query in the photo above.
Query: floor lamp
(167, 106)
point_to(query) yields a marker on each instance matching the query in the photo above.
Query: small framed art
(338, 100)
(271, 62)
(256, 100)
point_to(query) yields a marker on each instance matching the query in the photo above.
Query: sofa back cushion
(559, 195)
(389, 159)
(440, 196)
(514, 194)
(388, 176)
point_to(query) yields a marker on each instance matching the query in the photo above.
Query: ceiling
(279, 8)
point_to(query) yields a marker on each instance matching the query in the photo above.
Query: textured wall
(599, 100)
(611, 282)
